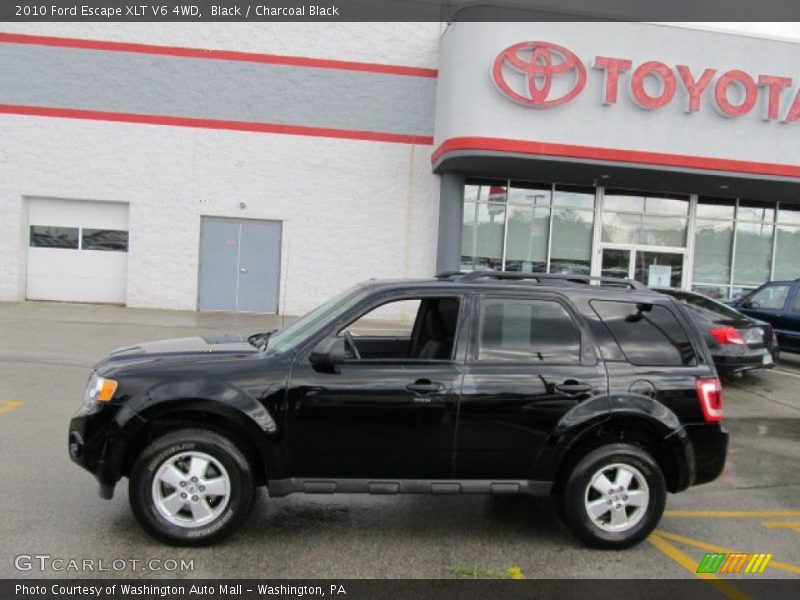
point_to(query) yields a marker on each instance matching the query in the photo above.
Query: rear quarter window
(648, 334)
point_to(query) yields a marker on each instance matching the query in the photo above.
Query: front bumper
(95, 443)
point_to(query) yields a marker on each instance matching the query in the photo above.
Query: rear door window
(648, 334)
(527, 330)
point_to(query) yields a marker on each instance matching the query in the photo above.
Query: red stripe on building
(95, 115)
(614, 155)
(270, 59)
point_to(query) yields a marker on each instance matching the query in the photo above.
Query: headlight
(99, 389)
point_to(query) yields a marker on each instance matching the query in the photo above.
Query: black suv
(599, 392)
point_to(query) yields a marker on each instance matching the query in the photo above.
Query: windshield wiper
(260, 340)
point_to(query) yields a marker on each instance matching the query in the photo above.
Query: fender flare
(580, 424)
(199, 396)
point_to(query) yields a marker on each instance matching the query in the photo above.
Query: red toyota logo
(539, 63)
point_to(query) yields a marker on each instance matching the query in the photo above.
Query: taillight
(726, 335)
(709, 392)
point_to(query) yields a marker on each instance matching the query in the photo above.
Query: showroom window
(484, 225)
(752, 256)
(527, 227)
(634, 218)
(787, 243)
(739, 245)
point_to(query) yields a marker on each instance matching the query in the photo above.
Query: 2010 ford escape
(599, 392)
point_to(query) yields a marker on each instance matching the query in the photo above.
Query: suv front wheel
(191, 487)
(613, 497)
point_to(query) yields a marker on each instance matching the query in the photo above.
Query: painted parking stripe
(734, 514)
(793, 525)
(682, 539)
(688, 563)
(785, 373)
(8, 405)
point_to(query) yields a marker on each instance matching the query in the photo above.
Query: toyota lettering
(544, 75)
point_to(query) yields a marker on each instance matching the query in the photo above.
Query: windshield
(289, 337)
(716, 309)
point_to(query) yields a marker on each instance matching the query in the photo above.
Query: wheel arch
(213, 415)
(658, 432)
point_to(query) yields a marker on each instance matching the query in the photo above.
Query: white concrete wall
(352, 210)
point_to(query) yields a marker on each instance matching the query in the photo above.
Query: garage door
(77, 250)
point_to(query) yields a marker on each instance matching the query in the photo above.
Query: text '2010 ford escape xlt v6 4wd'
(599, 392)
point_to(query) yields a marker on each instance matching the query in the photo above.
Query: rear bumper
(746, 362)
(710, 448)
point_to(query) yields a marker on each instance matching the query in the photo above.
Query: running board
(284, 487)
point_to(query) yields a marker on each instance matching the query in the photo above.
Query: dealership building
(264, 167)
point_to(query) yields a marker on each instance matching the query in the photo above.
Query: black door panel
(369, 421)
(508, 411)
(391, 414)
(529, 366)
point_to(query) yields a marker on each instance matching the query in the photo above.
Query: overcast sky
(788, 30)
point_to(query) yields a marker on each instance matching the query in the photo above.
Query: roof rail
(449, 275)
(474, 276)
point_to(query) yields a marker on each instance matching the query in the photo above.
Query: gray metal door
(239, 265)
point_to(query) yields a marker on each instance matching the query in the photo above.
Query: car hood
(180, 349)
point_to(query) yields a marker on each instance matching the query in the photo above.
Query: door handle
(425, 386)
(571, 389)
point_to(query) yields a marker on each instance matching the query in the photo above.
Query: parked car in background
(777, 303)
(737, 342)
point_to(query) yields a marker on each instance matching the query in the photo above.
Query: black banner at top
(396, 10)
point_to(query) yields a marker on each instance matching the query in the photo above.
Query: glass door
(650, 267)
(616, 263)
(658, 269)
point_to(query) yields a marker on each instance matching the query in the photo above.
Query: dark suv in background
(599, 392)
(777, 303)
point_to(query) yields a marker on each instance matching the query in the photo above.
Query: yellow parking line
(8, 405)
(681, 539)
(794, 525)
(733, 514)
(688, 563)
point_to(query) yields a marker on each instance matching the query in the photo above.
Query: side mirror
(327, 354)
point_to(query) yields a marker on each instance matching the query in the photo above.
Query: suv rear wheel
(613, 497)
(191, 487)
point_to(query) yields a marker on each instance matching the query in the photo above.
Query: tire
(179, 510)
(634, 510)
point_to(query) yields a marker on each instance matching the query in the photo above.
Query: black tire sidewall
(211, 443)
(572, 508)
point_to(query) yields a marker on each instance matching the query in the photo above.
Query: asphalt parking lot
(51, 507)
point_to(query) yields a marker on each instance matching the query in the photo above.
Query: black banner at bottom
(420, 589)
